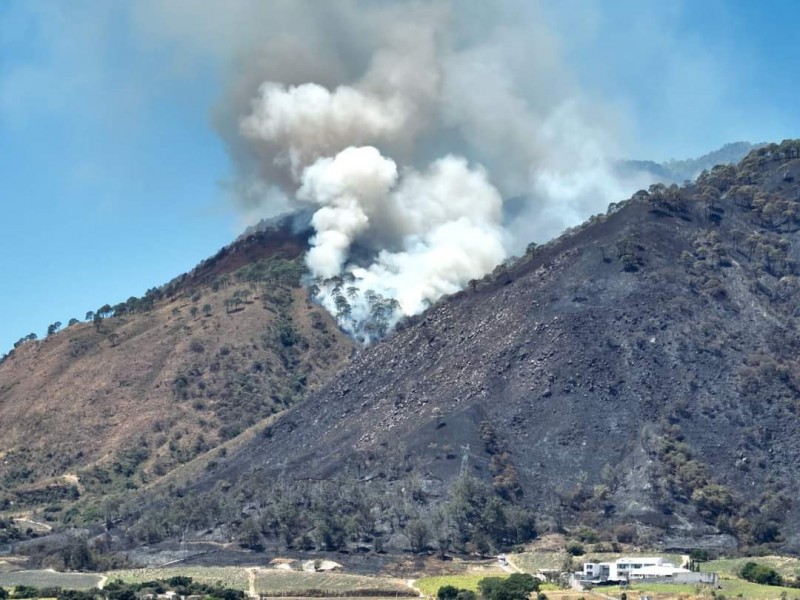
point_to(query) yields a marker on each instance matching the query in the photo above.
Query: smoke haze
(404, 126)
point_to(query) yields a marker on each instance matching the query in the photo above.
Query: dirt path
(410, 583)
(251, 583)
(510, 567)
(102, 582)
(34, 524)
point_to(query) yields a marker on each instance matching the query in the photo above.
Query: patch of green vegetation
(11, 532)
(430, 585)
(786, 566)
(731, 588)
(658, 588)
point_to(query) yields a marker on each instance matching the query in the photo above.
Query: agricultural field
(229, 577)
(44, 579)
(430, 585)
(732, 588)
(531, 562)
(729, 588)
(274, 582)
(785, 565)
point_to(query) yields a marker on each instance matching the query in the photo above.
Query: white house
(627, 568)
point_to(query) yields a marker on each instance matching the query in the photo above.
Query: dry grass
(80, 400)
(45, 579)
(274, 582)
(230, 577)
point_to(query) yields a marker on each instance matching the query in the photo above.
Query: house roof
(640, 559)
(659, 570)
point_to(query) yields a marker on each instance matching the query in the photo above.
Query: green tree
(78, 557)
(699, 555)
(449, 592)
(518, 586)
(25, 591)
(418, 534)
(575, 549)
(761, 574)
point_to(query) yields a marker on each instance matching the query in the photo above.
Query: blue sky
(110, 173)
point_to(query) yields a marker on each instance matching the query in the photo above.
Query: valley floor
(288, 578)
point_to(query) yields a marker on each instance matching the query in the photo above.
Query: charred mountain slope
(639, 370)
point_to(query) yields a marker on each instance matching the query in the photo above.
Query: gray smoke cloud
(403, 126)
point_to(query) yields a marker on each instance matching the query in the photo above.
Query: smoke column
(404, 126)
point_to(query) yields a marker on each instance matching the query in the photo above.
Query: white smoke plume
(404, 126)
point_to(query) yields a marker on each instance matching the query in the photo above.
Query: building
(641, 567)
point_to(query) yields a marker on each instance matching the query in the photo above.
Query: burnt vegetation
(634, 379)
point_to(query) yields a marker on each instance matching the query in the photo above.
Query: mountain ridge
(613, 377)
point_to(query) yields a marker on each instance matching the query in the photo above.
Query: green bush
(25, 591)
(514, 587)
(575, 549)
(450, 592)
(761, 574)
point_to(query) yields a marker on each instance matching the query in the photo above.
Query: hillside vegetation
(117, 403)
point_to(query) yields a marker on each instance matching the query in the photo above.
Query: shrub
(761, 574)
(587, 535)
(447, 592)
(25, 591)
(514, 587)
(699, 555)
(625, 534)
(575, 549)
